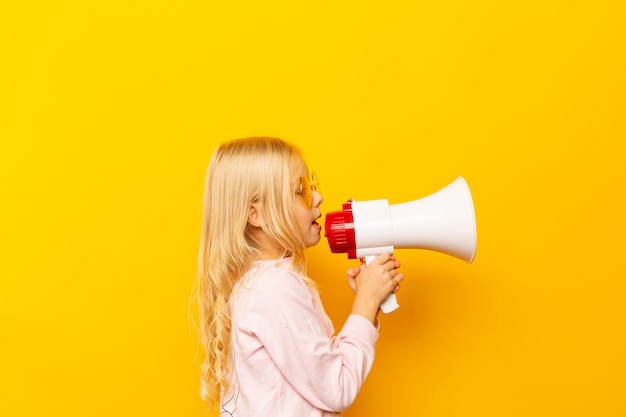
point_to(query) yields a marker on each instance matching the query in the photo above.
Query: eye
(304, 189)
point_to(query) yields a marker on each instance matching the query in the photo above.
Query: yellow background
(109, 114)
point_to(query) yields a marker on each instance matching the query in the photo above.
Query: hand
(353, 272)
(373, 284)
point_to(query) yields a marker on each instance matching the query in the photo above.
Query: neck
(268, 247)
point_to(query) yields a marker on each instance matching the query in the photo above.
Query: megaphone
(444, 222)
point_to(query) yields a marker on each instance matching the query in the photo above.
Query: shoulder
(272, 293)
(270, 278)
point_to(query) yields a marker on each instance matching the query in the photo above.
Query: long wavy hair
(259, 170)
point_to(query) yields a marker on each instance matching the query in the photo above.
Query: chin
(313, 241)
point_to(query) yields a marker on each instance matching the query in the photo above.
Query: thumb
(354, 271)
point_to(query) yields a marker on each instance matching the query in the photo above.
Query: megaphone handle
(391, 303)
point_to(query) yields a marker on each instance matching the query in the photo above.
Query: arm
(290, 322)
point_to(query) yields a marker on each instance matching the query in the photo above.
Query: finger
(396, 280)
(382, 259)
(353, 272)
(390, 265)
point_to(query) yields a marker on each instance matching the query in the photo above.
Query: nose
(317, 198)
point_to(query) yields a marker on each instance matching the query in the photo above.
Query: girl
(270, 349)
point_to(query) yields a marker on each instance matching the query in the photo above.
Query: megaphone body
(443, 222)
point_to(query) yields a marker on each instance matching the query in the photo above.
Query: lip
(315, 221)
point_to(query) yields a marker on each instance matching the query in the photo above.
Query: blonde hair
(259, 170)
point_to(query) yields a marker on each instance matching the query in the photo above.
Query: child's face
(307, 216)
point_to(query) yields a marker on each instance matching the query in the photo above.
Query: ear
(253, 216)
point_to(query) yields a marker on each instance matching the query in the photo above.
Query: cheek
(301, 215)
(304, 223)
(300, 208)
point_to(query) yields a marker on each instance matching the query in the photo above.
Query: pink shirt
(286, 360)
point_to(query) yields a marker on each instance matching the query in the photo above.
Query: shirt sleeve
(328, 372)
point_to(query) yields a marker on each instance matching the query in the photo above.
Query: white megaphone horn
(444, 222)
